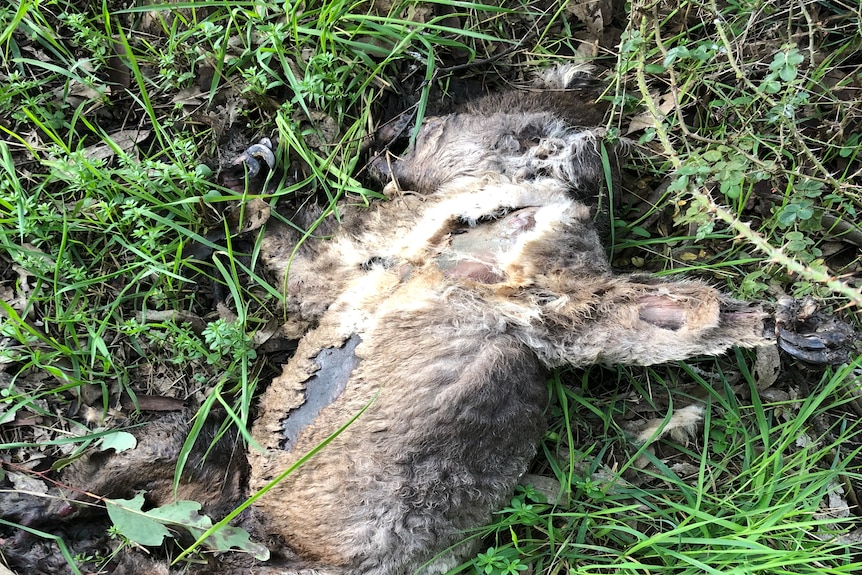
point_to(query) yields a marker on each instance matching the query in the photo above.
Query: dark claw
(814, 356)
(244, 169)
(801, 341)
(802, 355)
(260, 151)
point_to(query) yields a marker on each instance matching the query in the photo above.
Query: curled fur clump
(547, 132)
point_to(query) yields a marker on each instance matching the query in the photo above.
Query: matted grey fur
(548, 130)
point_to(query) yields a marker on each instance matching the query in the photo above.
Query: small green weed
(499, 562)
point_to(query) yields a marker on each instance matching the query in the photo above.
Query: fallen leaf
(176, 316)
(149, 527)
(135, 524)
(125, 140)
(767, 365)
(665, 103)
(248, 216)
(118, 441)
(118, 71)
(319, 129)
(27, 483)
(594, 14)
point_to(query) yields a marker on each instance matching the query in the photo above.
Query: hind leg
(642, 321)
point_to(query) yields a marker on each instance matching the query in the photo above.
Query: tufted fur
(545, 132)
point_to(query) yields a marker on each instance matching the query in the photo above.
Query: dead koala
(440, 313)
(437, 316)
(443, 312)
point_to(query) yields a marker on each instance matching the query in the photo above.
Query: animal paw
(240, 174)
(811, 336)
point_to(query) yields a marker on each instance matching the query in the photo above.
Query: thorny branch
(743, 229)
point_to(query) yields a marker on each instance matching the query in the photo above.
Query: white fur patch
(469, 200)
(563, 76)
(681, 426)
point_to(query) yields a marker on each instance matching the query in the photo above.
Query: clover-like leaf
(786, 63)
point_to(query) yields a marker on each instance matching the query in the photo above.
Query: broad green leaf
(149, 527)
(118, 441)
(186, 514)
(131, 521)
(230, 537)
(712, 155)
